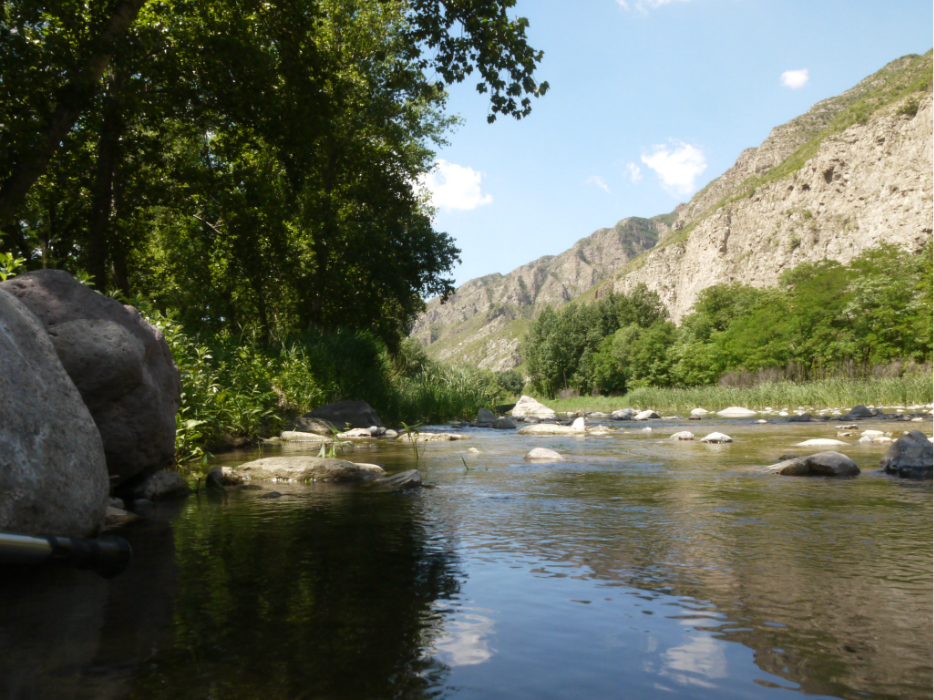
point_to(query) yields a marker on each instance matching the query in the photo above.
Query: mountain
(852, 172)
(483, 321)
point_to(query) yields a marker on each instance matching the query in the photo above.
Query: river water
(637, 568)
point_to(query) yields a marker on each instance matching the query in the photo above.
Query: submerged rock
(716, 438)
(120, 363)
(399, 482)
(53, 474)
(473, 451)
(527, 407)
(543, 454)
(305, 469)
(820, 464)
(910, 456)
(504, 423)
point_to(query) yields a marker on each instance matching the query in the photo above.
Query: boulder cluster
(88, 398)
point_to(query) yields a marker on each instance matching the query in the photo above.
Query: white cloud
(635, 173)
(678, 166)
(795, 78)
(454, 186)
(597, 181)
(641, 5)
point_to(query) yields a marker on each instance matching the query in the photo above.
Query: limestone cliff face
(869, 184)
(482, 322)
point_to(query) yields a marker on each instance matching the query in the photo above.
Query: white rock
(683, 435)
(761, 421)
(527, 406)
(819, 442)
(579, 425)
(716, 438)
(549, 429)
(473, 451)
(783, 413)
(646, 430)
(865, 440)
(645, 415)
(543, 454)
(699, 411)
(872, 433)
(736, 412)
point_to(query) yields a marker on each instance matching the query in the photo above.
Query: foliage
(9, 265)
(254, 166)
(825, 319)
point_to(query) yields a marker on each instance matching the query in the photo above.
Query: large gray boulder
(53, 475)
(121, 365)
(355, 414)
(910, 456)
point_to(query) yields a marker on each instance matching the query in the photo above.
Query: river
(637, 568)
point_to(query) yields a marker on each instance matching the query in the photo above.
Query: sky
(649, 100)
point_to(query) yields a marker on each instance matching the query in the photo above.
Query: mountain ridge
(851, 172)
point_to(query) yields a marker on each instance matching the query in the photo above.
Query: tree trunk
(108, 155)
(73, 100)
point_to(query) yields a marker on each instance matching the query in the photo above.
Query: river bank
(833, 395)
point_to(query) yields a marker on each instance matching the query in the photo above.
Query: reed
(830, 393)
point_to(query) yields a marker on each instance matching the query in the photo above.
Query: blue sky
(649, 100)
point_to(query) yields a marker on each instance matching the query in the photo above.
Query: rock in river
(224, 476)
(716, 438)
(645, 415)
(736, 412)
(910, 456)
(399, 482)
(550, 429)
(504, 423)
(623, 414)
(485, 415)
(161, 486)
(432, 437)
(527, 407)
(542, 454)
(120, 363)
(683, 435)
(305, 469)
(53, 475)
(344, 414)
(820, 442)
(821, 464)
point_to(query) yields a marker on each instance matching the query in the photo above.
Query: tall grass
(831, 393)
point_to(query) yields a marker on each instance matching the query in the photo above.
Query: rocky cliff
(852, 172)
(481, 324)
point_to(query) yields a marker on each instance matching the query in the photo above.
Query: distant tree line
(823, 318)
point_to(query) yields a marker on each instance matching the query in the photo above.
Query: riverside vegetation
(246, 175)
(826, 321)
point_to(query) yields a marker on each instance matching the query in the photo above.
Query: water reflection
(466, 638)
(321, 593)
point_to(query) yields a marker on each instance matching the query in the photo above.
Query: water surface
(637, 568)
